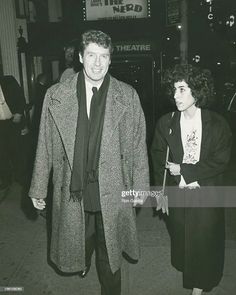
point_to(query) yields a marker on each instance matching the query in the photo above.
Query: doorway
(138, 71)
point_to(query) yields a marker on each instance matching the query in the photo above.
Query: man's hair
(199, 80)
(93, 36)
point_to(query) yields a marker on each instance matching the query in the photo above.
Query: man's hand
(39, 203)
(173, 168)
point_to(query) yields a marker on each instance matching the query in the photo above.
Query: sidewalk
(24, 261)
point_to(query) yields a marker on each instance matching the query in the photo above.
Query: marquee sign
(116, 9)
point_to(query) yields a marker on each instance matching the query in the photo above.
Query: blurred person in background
(12, 105)
(43, 82)
(71, 60)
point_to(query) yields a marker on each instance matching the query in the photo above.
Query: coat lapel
(64, 109)
(115, 108)
(206, 132)
(174, 138)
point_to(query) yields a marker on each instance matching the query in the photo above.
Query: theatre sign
(116, 9)
(132, 47)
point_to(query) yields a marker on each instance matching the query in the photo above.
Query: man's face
(96, 60)
(183, 96)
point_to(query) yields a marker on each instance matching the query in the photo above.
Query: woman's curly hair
(199, 80)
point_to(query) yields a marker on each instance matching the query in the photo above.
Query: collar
(89, 85)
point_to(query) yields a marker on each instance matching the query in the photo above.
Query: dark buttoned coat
(196, 223)
(123, 165)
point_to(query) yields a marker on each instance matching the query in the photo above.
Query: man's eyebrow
(93, 52)
(181, 86)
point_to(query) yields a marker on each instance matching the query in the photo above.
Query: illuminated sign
(116, 9)
(133, 47)
(210, 15)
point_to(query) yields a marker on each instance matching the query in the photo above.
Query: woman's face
(183, 96)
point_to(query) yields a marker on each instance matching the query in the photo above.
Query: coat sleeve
(218, 158)
(140, 158)
(158, 154)
(43, 159)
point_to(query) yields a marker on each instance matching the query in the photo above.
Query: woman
(199, 143)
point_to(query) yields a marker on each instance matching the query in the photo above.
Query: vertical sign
(172, 12)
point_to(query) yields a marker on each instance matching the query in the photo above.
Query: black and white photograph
(118, 147)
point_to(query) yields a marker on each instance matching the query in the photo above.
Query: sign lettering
(116, 9)
(132, 47)
(126, 8)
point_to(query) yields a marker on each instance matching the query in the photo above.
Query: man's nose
(97, 60)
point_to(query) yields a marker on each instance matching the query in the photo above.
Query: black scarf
(88, 138)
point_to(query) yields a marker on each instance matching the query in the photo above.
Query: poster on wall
(116, 9)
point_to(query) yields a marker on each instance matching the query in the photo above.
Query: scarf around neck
(88, 138)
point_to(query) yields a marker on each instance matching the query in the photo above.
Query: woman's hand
(173, 168)
(16, 118)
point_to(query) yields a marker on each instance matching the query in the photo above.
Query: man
(96, 151)
(12, 104)
(199, 144)
(71, 60)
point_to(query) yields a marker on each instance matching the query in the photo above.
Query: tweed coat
(197, 234)
(123, 165)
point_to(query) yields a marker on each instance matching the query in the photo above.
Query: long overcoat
(197, 234)
(123, 165)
